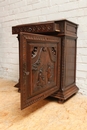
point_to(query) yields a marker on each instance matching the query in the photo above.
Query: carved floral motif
(54, 50)
(35, 65)
(33, 28)
(34, 52)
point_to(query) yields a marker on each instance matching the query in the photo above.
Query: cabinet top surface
(46, 22)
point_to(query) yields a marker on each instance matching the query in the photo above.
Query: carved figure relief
(41, 79)
(43, 67)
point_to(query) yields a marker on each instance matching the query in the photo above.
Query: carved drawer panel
(36, 28)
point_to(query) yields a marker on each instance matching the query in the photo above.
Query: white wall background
(15, 12)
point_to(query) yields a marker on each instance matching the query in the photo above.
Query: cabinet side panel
(70, 52)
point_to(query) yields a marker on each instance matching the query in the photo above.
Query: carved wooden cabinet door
(40, 67)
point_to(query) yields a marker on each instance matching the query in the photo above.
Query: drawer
(44, 28)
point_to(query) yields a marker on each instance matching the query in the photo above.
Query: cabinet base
(63, 95)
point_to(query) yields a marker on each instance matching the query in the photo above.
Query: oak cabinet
(47, 60)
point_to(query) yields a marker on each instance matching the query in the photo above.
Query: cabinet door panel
(40, 67)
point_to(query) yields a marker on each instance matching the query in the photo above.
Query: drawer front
(36, 28)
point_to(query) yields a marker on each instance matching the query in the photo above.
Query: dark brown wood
(39, 74)
(65, 63)
(63, 95)
(36, 28)
(18, 84)
(68, 36)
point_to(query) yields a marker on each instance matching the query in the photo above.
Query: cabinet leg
(18, 86)
(61, 101)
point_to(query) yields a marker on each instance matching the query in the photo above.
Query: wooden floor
(43, 115)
